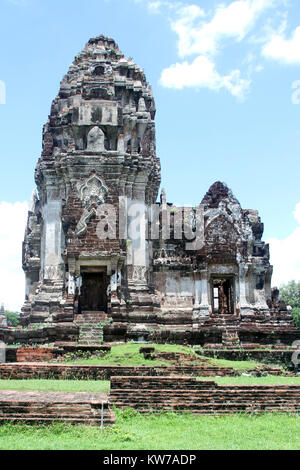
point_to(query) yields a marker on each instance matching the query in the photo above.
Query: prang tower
(98, 145)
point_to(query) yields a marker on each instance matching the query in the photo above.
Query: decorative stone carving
(52, 272)
(137, 274)
(142, 106)
(95, 140)
(92, 194)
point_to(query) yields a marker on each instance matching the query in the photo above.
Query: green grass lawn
(166, 431)
(92, 386)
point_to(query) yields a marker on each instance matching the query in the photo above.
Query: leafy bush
(296, 316)
(79, 354)
(12, 318)
(290, 293)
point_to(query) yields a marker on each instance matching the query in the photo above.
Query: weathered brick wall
(173, 356)
(65, 371)
(61, 332)
(271, 356)
(257, 330)
(159, 383)
(201, 397)
(90, 242)
(30, 370)
(40, 354)
(28, 354)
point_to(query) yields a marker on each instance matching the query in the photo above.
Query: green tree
(12, 318)
(296, 316)
(290, 293)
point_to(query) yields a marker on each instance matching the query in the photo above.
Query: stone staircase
(230, 337)
(91, 327)
(47, 301)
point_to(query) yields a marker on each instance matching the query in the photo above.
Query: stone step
(91, 328)
(91, 335)
(91, 339)
(91, 317)
(89, 343)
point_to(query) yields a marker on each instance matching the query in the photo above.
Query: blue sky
(222, 74)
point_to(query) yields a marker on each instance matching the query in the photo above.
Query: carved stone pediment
(92, 193)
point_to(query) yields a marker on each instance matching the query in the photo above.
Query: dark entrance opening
(223, 298)
(93, 296)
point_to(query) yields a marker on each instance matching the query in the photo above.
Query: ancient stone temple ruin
(198, 275)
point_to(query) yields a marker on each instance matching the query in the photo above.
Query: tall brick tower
(98, 147)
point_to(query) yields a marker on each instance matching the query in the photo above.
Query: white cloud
(196, 36)
(157, 5)
(282, 49)
(204, 35)
(202, 73)
(285, 255)
(12, 285)
(208, 34)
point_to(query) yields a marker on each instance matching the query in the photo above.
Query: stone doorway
(93, 296)
(223, 296)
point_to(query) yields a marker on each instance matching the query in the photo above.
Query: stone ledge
(202, 397)
(47, 407)
(278, 355)
(38, 370)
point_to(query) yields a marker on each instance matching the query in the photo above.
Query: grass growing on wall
(240, 365)
(128, 355)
